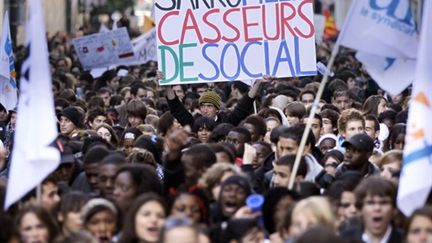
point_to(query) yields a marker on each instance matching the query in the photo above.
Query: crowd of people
(142, 162)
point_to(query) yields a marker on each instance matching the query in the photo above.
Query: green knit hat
(210, 97)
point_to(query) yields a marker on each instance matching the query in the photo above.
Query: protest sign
(225, 40)
(104, 49)
(145, 47)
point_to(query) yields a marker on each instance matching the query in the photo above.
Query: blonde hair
(319, 207)
(390, 157)
(214, 174)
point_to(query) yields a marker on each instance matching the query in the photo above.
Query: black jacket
(241, 111)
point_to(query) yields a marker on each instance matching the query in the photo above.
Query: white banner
(104, 49)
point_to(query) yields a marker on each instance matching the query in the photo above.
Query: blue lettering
(299, 72)
(391, 11)
(242, 60)
(222, 61)
(283, 49)
(206, 57)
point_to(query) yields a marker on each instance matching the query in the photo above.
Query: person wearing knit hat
(104, 228)
(210, 105)
(71, 120)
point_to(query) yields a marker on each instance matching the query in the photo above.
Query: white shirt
(384, 239)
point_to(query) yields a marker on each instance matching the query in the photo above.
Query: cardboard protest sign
(224, 40)
(145, 47)
(104, 49)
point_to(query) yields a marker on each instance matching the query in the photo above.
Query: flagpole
(39, 194)
(324, 80)
(311, 116)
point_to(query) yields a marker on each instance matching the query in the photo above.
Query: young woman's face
(149, 221)
(347, 208)
(203, 134)
(102, 226)
(420, 230)
(32, 229)
(104, 133)
(382, 106)
(72, 222)
(124, 190)
(128, 145)
(301, 221)
(187, 205)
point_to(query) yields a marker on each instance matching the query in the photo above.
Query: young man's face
(106, 98)
(377, 213)
(66, 125)
(237, 139)
(342, 102)
(208, 110)
(282, 174)
(286, 146)
(327, 126)
(98, 121)
(106, 179)
(370, 129)
(353, 127)
(307, 99)
(49, 195)
(316, 127)
(354, 158)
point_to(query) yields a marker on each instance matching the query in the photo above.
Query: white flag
(384, 34)
(34, 156)
(416, 180)
(8, 85)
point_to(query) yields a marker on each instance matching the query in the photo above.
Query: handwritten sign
(145, 47)
(104, 49)
(225, 40)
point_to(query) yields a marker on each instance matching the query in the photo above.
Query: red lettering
(264, 21)
(160, 25)
(193, 26)
(307, 20)
(212, 26)
(227, 22)
(247, 24)
(285, 19)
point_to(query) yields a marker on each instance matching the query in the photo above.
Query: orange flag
(330, 28)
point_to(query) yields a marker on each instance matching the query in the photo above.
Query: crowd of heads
(142, 162)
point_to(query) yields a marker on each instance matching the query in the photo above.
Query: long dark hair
(129, 234)
(43, 215)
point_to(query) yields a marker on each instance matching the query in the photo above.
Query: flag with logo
(8, 84)
(416, 180)
(384, 34)
(34, 155)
